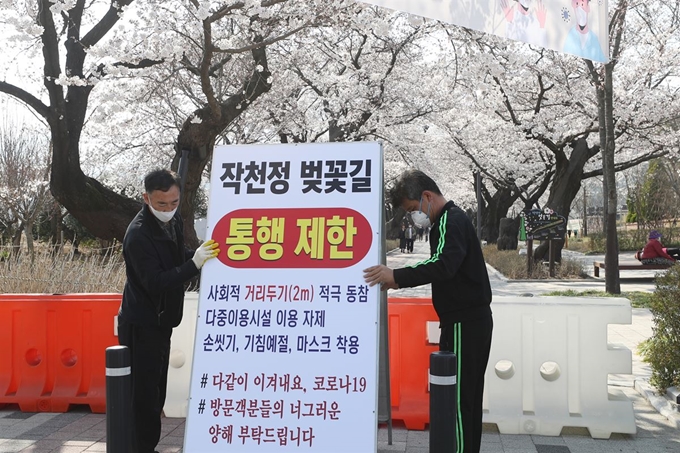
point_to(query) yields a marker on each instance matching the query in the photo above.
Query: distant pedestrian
(410, 237)
(655, 253)
(402, 238)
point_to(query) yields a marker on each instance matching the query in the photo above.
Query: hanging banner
(576, 27)
(286, 351)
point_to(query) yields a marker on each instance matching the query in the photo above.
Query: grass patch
(579, 245)
(514, 266)
(638, 299)
(60, 272)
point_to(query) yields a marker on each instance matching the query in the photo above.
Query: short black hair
(162, 180)
(410, 186)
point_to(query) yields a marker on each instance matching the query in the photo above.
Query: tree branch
(27, 98)
(541, 93)
(204, 69)
(506, 102)
(263, 43)
(629, 164)
(105, 24)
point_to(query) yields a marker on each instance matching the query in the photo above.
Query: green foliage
(631, 217)
(638, 299)
(662, 349)
(631, 240)
(596, 243)
(653, 201)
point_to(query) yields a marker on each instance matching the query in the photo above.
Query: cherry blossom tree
(129, 85)
(203, 42)
(24, 165)
(552, 101)
(45, 27)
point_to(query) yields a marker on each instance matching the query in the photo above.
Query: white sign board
(286, 352)
(576, 27)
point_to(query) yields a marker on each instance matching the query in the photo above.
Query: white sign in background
(576, 27)
(286, 352)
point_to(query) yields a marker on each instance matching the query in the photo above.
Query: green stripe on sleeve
(460, 438)
(440, 244)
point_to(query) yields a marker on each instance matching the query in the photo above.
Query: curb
(495, 274)
(662, 405)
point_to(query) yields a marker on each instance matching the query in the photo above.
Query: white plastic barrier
(181, 355)
(549, 364)
(547, 369)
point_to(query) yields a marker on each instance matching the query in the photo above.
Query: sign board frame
(318, 390)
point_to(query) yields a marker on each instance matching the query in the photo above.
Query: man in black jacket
(156, 265)
(461, 293)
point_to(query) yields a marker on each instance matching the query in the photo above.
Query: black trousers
(149, 353)
(674, 253)
(471, 342)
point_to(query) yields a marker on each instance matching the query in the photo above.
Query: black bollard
(443, 402)
(118, 400)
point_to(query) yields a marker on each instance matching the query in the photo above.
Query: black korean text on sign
(258, 177)
(318, 176)
(336, 176)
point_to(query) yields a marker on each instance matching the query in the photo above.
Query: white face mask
(163, 216)
(581, 17)
(419, 217)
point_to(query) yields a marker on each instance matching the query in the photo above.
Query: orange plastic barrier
(410, 359)
(52, 350)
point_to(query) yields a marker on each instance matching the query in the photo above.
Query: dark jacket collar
(150, 221)
(449, 204)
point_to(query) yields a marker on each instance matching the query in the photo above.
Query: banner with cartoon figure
(576, 27)
(286, 351)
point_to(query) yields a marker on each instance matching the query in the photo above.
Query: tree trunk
(56, 226)
(509, 229)
(606, 108)
(28, 232)
(199, 138)
(16, 242)
(566, 185)
(497, 207)
(103, 212)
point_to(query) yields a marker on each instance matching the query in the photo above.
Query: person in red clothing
(655, 253)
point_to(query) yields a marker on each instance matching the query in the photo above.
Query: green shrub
(631, 240)
(662, 349)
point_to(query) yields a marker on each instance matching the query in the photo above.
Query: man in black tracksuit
(157, 265)
(461, 293)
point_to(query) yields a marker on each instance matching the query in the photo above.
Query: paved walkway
(79, 430)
